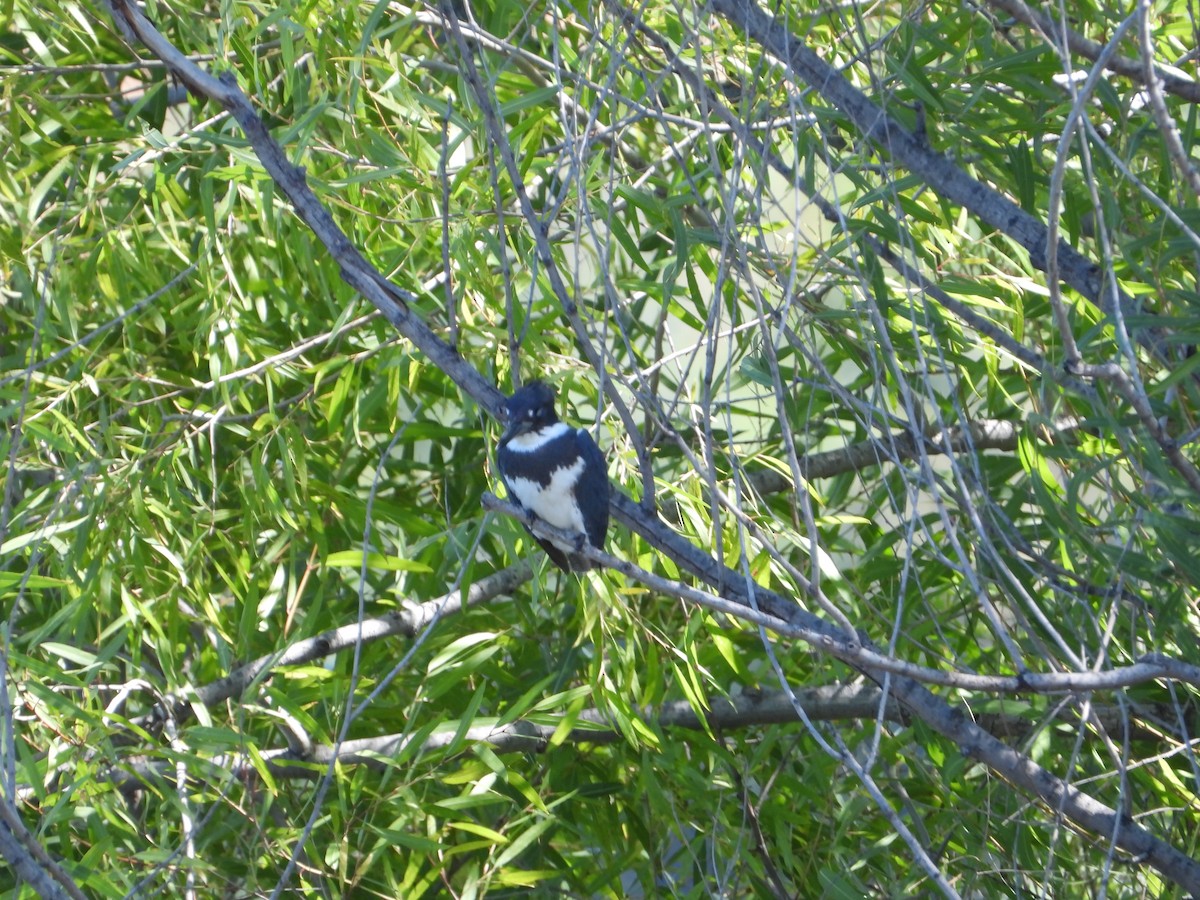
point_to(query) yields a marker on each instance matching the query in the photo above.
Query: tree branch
(834, 703)
(403, 622)
(902, 446)
(1173, 79)
(916, 154)
(30, 861)
(785, 618)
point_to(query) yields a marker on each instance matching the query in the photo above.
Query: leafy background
(217, 449)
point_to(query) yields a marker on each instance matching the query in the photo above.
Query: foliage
(216, 448)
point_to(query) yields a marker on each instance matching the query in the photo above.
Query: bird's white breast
(554, 502)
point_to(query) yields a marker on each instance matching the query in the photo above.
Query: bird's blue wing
(593, 489)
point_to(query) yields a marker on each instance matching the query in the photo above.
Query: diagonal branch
(29, 860)
(356, 271)
(798, 623)
(914, 153)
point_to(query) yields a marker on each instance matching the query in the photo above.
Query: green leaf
(353, 559)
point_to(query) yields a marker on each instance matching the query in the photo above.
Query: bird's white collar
(533, 441)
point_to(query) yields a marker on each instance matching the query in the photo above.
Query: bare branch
(902, 446)
(30, 861)
(1175, 80)
(408, 622)
(834, 703)
(784, 617)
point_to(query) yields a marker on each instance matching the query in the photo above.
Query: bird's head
(529, 409)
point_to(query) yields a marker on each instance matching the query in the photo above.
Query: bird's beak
(514, 427)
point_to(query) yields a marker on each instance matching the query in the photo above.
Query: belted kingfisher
(555, 472)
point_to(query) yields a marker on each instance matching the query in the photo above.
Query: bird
(555, 472)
